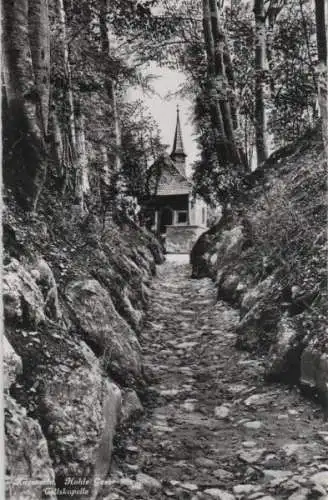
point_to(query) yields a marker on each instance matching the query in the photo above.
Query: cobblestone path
(212, 428)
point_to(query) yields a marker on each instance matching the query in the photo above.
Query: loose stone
(221, 412)
(321, 478)
(301, 494)
(219, 494)
(205, 462)
(242, 489)
(281, 475)
(255, 425)
(189, 486)
(148, 481)
(251, 457)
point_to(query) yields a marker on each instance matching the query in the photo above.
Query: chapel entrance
(166, 219)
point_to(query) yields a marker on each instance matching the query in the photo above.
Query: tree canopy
(254, 73)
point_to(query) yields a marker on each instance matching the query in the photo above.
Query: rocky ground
(211, 427)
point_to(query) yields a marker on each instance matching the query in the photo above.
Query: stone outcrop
(80, 411)
(230, 245)
(23, 300)
(71, 347)
(131, 406)
(259, 315)
(314, 371)
(104, 329)
(284, 354)
(12, 364)
(28, 465)
(44, 278)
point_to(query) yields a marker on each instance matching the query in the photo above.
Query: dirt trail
(212, 428)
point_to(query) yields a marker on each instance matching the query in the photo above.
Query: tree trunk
(223, 108)
(106, 169)
(81, 172)
(27, 95)
(260, 85)
(230, 75)
(269, 49)
(56, 140)
(67, 70)
(110, 85)
(220, 69)
(215, 109)
(39, 34)
(321, 11)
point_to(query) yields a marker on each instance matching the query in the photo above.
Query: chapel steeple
(178, 155)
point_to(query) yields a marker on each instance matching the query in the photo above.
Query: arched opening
(166, 219)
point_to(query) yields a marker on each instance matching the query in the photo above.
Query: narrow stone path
(213, 429)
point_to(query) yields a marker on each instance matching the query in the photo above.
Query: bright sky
(164, 109)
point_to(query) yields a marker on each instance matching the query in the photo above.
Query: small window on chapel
(182, 217)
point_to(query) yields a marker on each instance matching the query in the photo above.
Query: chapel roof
(174, 188)
(172, 181)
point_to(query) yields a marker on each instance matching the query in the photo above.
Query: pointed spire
(178, 155)
(178, 149)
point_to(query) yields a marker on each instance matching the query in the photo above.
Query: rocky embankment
(268, 259)
(75, 294)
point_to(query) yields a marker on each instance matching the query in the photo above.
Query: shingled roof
(184, 187)
(172, 182)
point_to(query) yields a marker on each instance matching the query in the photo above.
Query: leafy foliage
(141, 146)
(128, 23)
(290, 101)
(170, 32)
(293, 107)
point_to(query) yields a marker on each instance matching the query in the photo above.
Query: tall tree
(81, 158)
(61, 13)
(110, 83)
(321, 14)
(260, 82)
(215, 108)
(39, 35)
(220, 85)
(26, 67)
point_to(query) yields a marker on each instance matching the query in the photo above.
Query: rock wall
(74, 304)
(268, 259)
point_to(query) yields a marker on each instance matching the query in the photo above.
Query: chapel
(179, 218)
